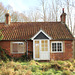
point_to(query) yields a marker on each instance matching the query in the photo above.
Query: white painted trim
(40, 48)
(17, 42)
(39, 33)
(49, 48)
(57, 51)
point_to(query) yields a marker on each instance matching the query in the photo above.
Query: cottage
(39, 40)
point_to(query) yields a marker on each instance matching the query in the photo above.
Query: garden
(22, 66)
(37, 68)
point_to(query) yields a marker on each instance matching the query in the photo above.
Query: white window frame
(56, 46)
(16, 52)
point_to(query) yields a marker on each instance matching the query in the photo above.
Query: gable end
(41, 35)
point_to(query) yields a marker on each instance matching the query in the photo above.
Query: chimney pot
(63, 10)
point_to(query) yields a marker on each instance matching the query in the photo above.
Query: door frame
(40, 48)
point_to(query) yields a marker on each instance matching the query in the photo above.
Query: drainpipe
(27, 48)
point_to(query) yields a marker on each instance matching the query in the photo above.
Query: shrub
(28, 72)
(60, 62)
(3, 55)
(68, 64)
(66, 73)
(56, 66)
(20, 59)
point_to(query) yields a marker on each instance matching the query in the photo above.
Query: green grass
(38, 68)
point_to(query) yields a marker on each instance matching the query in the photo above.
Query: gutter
(27, 48)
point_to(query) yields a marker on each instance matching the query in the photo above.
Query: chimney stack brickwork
(63, 17)
(8, 18)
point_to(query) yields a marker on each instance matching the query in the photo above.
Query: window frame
(56, 47)
(18, 51)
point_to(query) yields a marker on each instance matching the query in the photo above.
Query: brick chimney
(63, 16)
(7, 18)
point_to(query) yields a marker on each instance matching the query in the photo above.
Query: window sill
(18, 53)
(56, 52)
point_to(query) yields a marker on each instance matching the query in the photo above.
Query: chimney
(63, 16)
(7, 18)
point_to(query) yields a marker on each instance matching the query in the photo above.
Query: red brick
(56, 56)
(65, 55)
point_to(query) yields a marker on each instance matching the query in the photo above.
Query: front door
(41, 50)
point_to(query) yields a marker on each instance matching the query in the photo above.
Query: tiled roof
(26, 30)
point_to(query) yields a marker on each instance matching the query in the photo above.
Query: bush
(60, 62)
(56, 66)
(3, 55)
(34, 68)
(20, 59)
(66, 73)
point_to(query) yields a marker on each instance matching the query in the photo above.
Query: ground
(38, 68)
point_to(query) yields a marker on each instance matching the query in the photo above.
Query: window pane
(37, 42)
(46, 41)
(42, 49)
(46, 45)
(42, 41)
(14, 47)
(20, 47)
(59, 46)
(42, 46)
(46, 49)
(53, 46)
(36, 49)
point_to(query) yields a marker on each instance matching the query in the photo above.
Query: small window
(17, 47)
(57, 46)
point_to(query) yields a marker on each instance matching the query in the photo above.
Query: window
(44, 45)
(57, 46)
(17, 47)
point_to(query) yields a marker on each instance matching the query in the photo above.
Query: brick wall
(74, 48)
(30, 49)
(67, 54)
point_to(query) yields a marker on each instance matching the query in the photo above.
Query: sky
(24, 5)
(20, 5)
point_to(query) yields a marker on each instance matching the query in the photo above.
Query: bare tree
(14, 16)
(69, 14)
(22, 17)
(2, 12)
(44, 9)
(74, 28)
(34, 15)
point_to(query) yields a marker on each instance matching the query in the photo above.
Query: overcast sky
(25, 5)
(21, 5)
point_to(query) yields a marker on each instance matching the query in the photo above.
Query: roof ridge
(36, 22)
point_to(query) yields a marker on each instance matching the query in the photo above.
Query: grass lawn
(38, 68)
